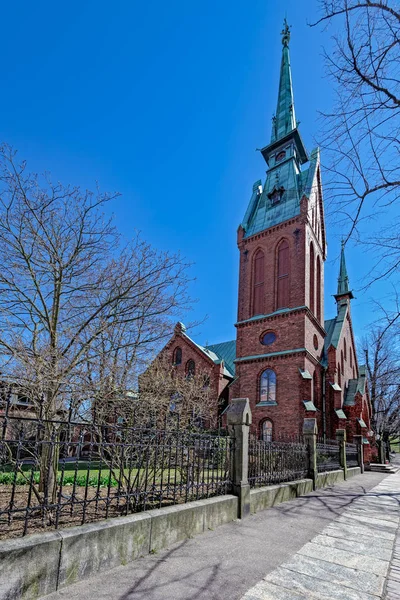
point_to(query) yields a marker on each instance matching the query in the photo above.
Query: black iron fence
(276, 462)
(54, 474)
(328, 455)
(59, 473)
(351, 455)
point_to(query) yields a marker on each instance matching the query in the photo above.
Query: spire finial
(285, 33)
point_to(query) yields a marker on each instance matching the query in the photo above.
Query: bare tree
(163, 393)
(381, 350)
(77, 303)
(362, 133)
(139, 435)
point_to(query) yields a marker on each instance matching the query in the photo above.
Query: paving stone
(313, 587)
(345, 558)
(366, 512)
(356, 532)
(369, 583)
(378, 499)
(372, 524)
(359, 547)
(269, 591)
(339, 532)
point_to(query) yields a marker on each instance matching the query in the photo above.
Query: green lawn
(395, 444)
(95, 476)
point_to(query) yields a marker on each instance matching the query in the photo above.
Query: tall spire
(284, 125)
(343, 279)
(284, 120)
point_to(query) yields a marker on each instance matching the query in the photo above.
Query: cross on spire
(285, 33)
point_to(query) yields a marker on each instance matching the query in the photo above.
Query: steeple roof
(343, 279)
(279, 199)
(284, 120)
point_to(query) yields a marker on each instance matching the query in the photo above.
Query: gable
(214, 354)
(225, 351)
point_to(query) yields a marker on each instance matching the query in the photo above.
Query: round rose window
(268, 338)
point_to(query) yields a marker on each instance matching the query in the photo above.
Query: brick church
(288, 360)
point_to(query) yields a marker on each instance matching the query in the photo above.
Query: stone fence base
(39, 564)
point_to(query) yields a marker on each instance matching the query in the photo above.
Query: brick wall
(295, 329)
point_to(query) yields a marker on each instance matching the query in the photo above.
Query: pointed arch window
(342, 361)
(319, 290)
(258, 283)
(177, 359)
(345, 349)
(190, 368)
(266, 430)
(268, 386)
(339, 378)
(312, 278)
(282, 295)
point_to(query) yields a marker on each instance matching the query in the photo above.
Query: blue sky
(166, 103)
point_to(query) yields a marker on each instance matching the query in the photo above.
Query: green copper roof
(216, 357)
(280, 311)
(270, 354)
(362, 379)
(336, 387)
(225, 351)
(305, 374)
(286, 183)
(262, 212)
(355, 386)
(351, 392)
(340, 413)
(308, 405)
(333, 328)
(343, 279)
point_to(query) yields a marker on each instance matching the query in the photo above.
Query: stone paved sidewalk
(225, 563)
(393, 582)
(356, 557)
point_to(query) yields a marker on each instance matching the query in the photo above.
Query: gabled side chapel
(288, 360)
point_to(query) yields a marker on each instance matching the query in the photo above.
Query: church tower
(280, 326)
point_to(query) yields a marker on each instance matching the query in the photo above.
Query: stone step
(383, 468)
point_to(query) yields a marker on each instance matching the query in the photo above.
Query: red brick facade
(300, 334)
(299, 331)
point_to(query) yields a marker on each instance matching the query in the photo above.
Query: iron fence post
(341, 438)
(310, 437)
(359, 441)
(239, 421)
